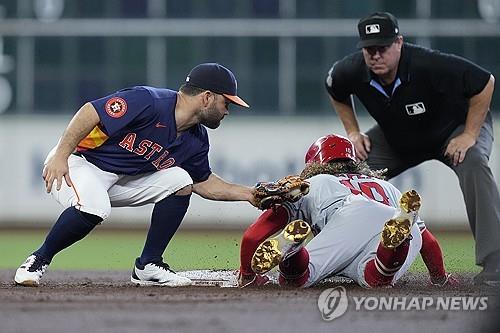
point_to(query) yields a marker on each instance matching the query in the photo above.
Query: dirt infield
(78, 302)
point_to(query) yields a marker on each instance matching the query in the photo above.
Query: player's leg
(170, 191)
(86, 205)
(367, 274)
(268, 223)
(433, 259)
(346, 234)
(397, 229)
(294, 271)
(380, 270)
(382, 156)
(394, 246)
(383, 267)
(415, 244)
(482, 202)
(274, 250)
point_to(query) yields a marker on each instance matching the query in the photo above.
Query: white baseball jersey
(347, 214)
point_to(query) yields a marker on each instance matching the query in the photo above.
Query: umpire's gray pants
(482, 200)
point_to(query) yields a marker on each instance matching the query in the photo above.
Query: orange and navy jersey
(95, 139)
(137, 134)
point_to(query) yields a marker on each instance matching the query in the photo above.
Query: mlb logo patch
(415, 108)
(372, 29)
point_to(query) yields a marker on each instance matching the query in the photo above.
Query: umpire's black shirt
(429, 99)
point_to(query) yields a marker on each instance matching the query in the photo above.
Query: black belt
(77, 153)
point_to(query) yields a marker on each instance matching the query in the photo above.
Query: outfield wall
(243, 150)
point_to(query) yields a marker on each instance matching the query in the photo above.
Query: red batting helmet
(329, 148)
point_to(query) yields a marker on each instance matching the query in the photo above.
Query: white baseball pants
(95, 191)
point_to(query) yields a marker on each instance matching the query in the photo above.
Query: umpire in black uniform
(428, 105)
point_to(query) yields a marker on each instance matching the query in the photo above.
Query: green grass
(107, 249)
(117, 249)
(458, 251)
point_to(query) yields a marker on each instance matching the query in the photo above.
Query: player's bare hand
(458, 146)
(447, 280)
(252, 198)
(55, 170)
(362, 144)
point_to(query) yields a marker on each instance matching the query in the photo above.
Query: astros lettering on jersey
(152, 144)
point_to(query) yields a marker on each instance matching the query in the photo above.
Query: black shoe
(490, 275)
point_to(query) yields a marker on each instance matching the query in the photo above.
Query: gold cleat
(398, 229)
(410, 201)
(272, 251)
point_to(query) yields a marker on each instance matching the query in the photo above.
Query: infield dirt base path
(89, 301)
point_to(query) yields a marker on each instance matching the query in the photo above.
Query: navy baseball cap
(216, 78)
(378, 29)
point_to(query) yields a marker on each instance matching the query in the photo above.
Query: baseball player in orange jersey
(364, 228)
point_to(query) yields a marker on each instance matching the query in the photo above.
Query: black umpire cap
(378, 29)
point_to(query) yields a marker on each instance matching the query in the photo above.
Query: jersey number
(371, 190)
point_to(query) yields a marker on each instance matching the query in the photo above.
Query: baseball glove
(287, 189)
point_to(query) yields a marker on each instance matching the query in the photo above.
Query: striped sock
(380, 270)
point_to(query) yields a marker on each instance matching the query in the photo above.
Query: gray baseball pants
(481, 196)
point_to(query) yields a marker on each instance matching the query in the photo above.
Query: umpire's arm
(340, 93)
(215, 188)
(350, 121)
(479, 106)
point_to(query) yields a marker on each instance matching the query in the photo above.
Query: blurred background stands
(57, 54)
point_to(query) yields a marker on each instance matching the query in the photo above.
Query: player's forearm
(479, 105)
(79, 127)
(347, 116)
(215, 188)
